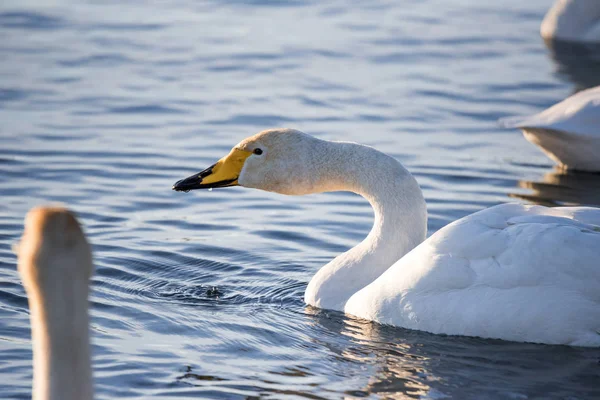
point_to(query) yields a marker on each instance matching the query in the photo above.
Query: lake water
(104, 105)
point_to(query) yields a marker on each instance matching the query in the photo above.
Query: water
(105, 105)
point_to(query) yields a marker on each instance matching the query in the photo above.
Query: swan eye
(258, 151)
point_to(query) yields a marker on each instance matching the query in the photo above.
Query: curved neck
(60, 335)
(400, 219)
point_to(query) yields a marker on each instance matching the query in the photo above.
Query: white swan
(514, 272)
(572, 20)
(55, 264)
(568, 132)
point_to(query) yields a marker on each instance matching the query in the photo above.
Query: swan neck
(400, 221)
(61, 345)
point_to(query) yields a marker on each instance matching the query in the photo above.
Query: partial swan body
(512, 272)
(568, 132)
(572, 20)
(55, 264)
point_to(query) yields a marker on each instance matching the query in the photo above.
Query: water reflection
(405, 364)
(578, 62)
(562, 188)
(400, 371)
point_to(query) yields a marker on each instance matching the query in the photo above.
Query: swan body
(568, 132)
(572, 20)
(55, 264)
(513, 272)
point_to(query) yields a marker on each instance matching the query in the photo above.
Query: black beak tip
(180, 186)
(195, 182)
(192, 182)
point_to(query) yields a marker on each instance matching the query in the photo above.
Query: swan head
(53, 247)
(275, 160)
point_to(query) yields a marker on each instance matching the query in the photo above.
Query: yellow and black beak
(222, 174)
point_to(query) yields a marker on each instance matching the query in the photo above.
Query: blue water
(105, 104)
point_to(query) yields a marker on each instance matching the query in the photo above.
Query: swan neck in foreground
(55, 264)
(400, 219)
(61, 349)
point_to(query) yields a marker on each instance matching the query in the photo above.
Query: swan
(568, 132)
(55, 264)
(513, 272)
(572, 20)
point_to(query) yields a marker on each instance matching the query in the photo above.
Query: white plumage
(514, 272)
(568, 132)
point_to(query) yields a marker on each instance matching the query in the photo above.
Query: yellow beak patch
(222, 174)
(228, 168)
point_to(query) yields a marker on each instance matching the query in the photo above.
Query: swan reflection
(578, 62)
(406, 364)
(562, 188)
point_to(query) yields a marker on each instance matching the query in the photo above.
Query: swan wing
(513, 272)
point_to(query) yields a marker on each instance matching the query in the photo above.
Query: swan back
(578, 114)
(55, 264)
(568, 132)
(572, 20)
